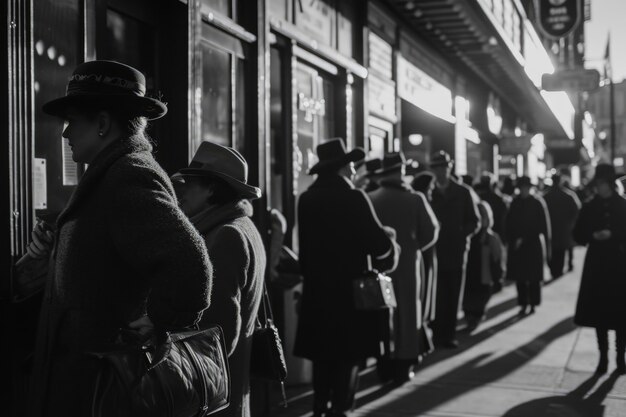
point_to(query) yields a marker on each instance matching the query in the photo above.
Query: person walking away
(528, 237)
(601, 226)
(424, 183)
(215, 195)
(125, 256)
(484, 268)
(455, 206)
(407, 212)
(563, 206)
(338, 230)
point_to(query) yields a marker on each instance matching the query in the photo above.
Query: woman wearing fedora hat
(338, 229)
(125, 256)
(215, 194)
(601, 303)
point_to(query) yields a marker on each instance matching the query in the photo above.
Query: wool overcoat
(337, 229)
(123, 249)
(457, 211)
(603, 284)
(528, 220)
(410, 215)
(238, 257)
(563, 206)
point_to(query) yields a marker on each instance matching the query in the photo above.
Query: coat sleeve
(158, 242)
(583, 229)
(231, 260)
(427, 223)
(379, 243)
(544, 222)
(471, 223)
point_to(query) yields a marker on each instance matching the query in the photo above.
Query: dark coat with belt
(528, 220)
(563, 206)
(603, 285)
(123, 249)
(338, 229)
(238, 257)
(457, 211)
(410, 215)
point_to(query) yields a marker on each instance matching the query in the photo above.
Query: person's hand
(518, 243)
(142, 325)
(602, 235)
(42, 242)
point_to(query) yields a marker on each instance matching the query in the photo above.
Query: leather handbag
(373, 290)
(267, 360)
(183, 374)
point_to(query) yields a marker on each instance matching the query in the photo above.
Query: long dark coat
(603, 285)
(410, 215)
(238, 257)
(123, 249)
(563, 206)
(499, 208)
(457, 211)
(527, 219)
(338, 229)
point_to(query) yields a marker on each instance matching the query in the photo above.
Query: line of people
(452, 244)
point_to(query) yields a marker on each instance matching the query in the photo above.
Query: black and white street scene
(313, 208)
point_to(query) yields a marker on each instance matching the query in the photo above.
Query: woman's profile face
(81, 132)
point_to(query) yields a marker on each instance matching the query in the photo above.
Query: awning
(465, 31)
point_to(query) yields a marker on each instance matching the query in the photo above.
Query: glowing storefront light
(423, 91)
(563, 109)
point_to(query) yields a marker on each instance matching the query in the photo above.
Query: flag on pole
(607, 59)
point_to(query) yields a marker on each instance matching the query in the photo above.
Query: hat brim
(440, 164)
(354, 155)
(244, 190)
(131, 105)
(394, 168)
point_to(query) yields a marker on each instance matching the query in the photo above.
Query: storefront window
(216, 95)
(58, 45)
(132, 42)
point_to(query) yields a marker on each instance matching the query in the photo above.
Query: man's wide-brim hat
(605, 172)
(111, 84)
(393, 162)
(441, 158)
(213, 160)
(332, 154)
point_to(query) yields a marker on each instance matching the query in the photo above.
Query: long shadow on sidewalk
(467, 341)
(468, 376)
(573, 404)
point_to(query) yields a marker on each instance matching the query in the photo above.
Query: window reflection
(216, 95)
(58, 49)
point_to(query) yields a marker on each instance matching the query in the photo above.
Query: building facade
(274, 78)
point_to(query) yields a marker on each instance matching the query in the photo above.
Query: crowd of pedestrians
(139, 252)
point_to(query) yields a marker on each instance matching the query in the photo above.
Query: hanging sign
(571, 80)
(558, 18)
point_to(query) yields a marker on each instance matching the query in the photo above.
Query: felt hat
(213, 160)
(440, 158)
(332, 154)
(392, 162)
(605, 172)
(523, 181)
(107, 83)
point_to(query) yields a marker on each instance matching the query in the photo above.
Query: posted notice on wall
(40, 190)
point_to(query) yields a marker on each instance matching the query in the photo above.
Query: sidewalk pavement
(536, 366)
